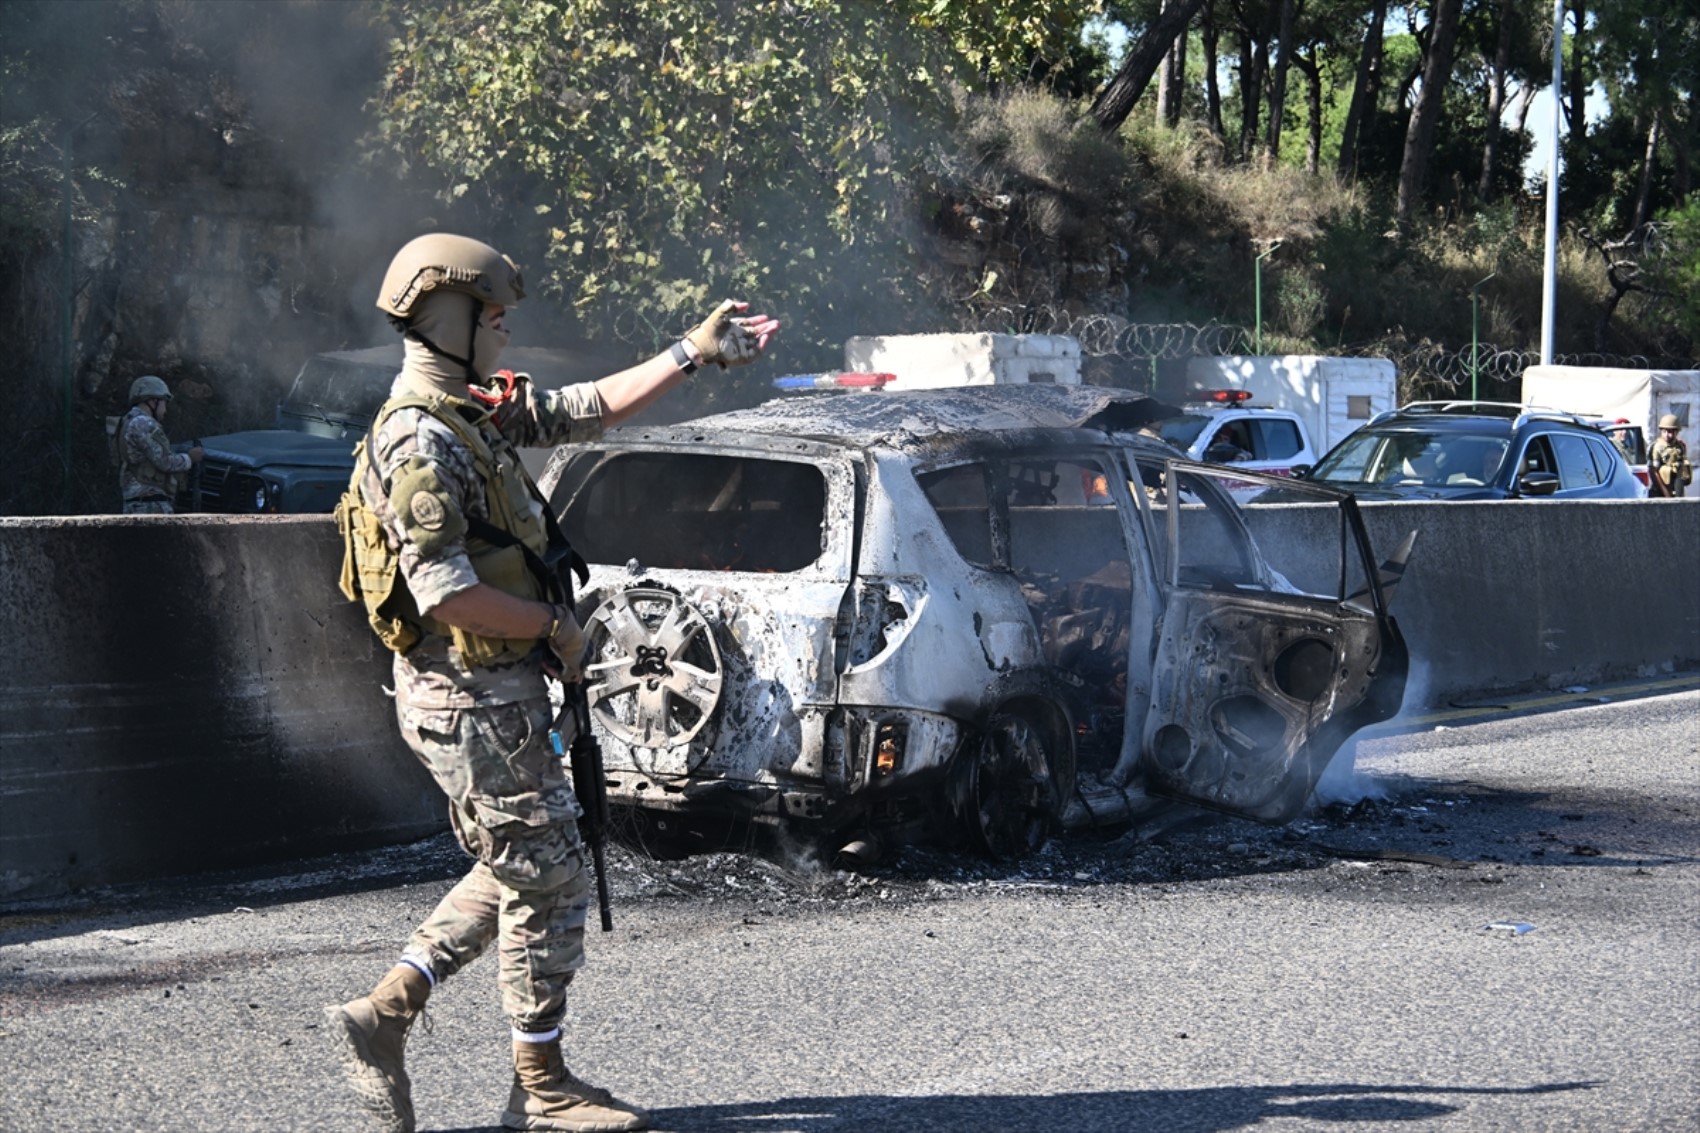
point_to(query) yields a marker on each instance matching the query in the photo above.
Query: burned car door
(1260, 674)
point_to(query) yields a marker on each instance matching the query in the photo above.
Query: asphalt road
(1332, 974)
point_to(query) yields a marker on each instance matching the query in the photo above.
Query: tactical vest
(508, 551)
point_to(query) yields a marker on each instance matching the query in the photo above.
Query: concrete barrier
(184, 693)
(1509, 595)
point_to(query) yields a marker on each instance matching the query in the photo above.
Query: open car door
(1262, 671)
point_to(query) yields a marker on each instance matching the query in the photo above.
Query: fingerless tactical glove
(724, 339)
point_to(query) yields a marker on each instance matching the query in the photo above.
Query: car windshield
(1183, 430)
(1414, 457)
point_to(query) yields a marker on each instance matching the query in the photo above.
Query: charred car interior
(971, 616)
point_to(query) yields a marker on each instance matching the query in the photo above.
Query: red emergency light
(1223, 396)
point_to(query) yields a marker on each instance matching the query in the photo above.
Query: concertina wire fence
(1425, 369)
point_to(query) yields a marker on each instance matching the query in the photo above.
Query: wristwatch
(683, 358)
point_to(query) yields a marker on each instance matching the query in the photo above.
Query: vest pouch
(371, 573)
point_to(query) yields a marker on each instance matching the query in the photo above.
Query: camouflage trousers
(147, 507)
(513, 810)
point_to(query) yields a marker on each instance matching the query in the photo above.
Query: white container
(933, 361)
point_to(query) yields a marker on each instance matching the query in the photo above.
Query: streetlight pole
(1549, 285)
(1257, 294)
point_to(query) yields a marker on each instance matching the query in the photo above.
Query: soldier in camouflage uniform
(444, 530)
(1668, 468)
(147, 468)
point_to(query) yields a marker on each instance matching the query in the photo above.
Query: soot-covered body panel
(971, 614)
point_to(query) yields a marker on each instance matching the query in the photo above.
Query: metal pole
(1549, 285)
(1257, 295)
(1475, 334)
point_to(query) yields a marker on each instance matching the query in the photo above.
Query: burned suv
(980, 613)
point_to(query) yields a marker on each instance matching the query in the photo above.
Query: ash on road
(1213, 975)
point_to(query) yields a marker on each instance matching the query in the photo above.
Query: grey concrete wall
(1518, 594)
(186, 693)
(180, 694)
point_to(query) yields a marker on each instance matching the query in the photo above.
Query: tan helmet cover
(440, 261)
(1669, 421)
(149, 388)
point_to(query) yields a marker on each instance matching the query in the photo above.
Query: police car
(1222, 427)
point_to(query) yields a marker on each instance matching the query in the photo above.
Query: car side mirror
(1300, 471)
(1537, 484)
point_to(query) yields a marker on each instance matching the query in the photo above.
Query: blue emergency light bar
(831, 380)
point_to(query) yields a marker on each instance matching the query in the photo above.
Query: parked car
(1630, 439)
(1222, 427)
(1477, 450)
(302, 463)
(956, 614)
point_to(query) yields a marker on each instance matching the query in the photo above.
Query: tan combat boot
(371, 1034)
(547, 1096)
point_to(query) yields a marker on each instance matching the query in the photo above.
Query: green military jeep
(303, 462)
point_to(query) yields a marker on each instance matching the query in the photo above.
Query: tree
(662, 153)
(1171, 81)
(1366, 88)
(1506, 26)
(1419, 137)
(1116, 101)
(1278, 89)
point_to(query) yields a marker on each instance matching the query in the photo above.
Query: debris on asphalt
(1515, 928)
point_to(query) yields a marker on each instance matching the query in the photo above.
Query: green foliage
(645, 157)
(1676, 269)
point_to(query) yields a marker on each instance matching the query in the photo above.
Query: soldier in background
(147, 468)
(1668, 470)
(446, 541)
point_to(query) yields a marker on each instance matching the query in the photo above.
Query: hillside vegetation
(232, 177)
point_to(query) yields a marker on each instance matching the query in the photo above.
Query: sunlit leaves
(645, 154)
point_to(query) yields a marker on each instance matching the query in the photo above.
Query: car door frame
(1191, 747)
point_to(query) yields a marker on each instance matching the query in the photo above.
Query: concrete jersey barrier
(187, 693)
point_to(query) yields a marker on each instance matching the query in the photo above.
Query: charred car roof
(921, 421)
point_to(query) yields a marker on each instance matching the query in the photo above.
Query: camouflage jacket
(146, 465)
(431, 675)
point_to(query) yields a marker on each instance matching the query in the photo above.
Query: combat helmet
(1669, 421)
(149, 388)
(440, 261)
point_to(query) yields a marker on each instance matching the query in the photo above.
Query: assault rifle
(591, 785)
(590, 782)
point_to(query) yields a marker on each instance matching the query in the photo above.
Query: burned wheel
(654, 675)
(1011, 794)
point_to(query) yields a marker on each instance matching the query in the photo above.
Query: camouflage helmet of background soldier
(1669, 421)
(149, 388)
(440, 261)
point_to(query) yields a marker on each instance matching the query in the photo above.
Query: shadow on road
(1117, 1111)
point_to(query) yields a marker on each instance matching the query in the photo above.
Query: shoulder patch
(429, 514)
(428, 511)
